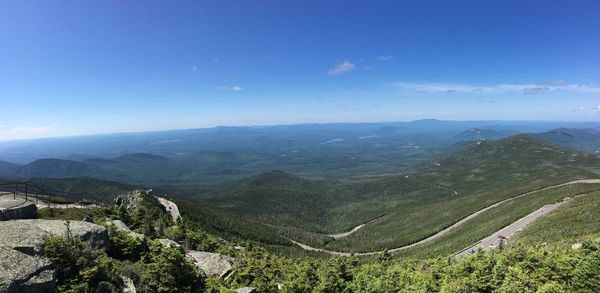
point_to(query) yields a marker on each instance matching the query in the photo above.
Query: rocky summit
(212, 264)
(23, 268)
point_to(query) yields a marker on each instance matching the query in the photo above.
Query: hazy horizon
(561, 123)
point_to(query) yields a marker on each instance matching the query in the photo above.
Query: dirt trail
(451, 227)
(171, 207)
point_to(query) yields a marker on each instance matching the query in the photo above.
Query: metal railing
(33, 192)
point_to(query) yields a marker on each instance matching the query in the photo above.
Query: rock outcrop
(23, 268)
(170, 243)
(245, 290)
(29, 236)
(23, 210)
(21, 272)
(120, 226)
(212, 264)
(132, 200)
(128, 286)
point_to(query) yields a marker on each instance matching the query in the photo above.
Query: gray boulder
(29, 236)
(120, 226)
(212, 264)
(245, 290)
(132, 200)
(23, 268)
(128, 286)
(170, 243)
(20, 272)
(18, 210)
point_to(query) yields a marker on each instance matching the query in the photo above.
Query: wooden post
(26, 193)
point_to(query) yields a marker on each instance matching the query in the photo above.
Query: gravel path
(448, 229)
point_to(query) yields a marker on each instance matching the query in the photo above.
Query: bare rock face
(25, 210)
(132, 200)
(245, 290)
(170, 243)
(120, 226)
(23, 268)
(128, 286)
(20, 272)
(212, 264)
(29, 236)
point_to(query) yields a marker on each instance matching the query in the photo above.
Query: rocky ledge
(23, 267)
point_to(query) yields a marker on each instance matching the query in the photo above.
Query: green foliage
(516, 269)
(83, 187)
(169, 271)
(63, 213)
(80, 268)
(274, 204)
(577, 220)
(149, 215)
(193, 237)
(124, 247)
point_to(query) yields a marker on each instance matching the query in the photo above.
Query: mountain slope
(587, 140)
(7, 168)
(55, 168)
(403, 209)
(88, 188)
(483, 134)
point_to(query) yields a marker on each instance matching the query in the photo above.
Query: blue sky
(83, 67)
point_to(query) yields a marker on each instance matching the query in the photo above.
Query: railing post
(15, 191)
(26, 193)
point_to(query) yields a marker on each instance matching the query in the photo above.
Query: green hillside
(577, 221)
(84, 187)
(587, 140)
(405, 208)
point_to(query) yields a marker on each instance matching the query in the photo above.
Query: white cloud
(341, 68)
(534, 90)
(558, 82)
(527, 89)
(23, 132)
(385, 58)
(587, 110)
(234, 88)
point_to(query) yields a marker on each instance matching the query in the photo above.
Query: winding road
(532, 217)
(494, 240)
(345, 234)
